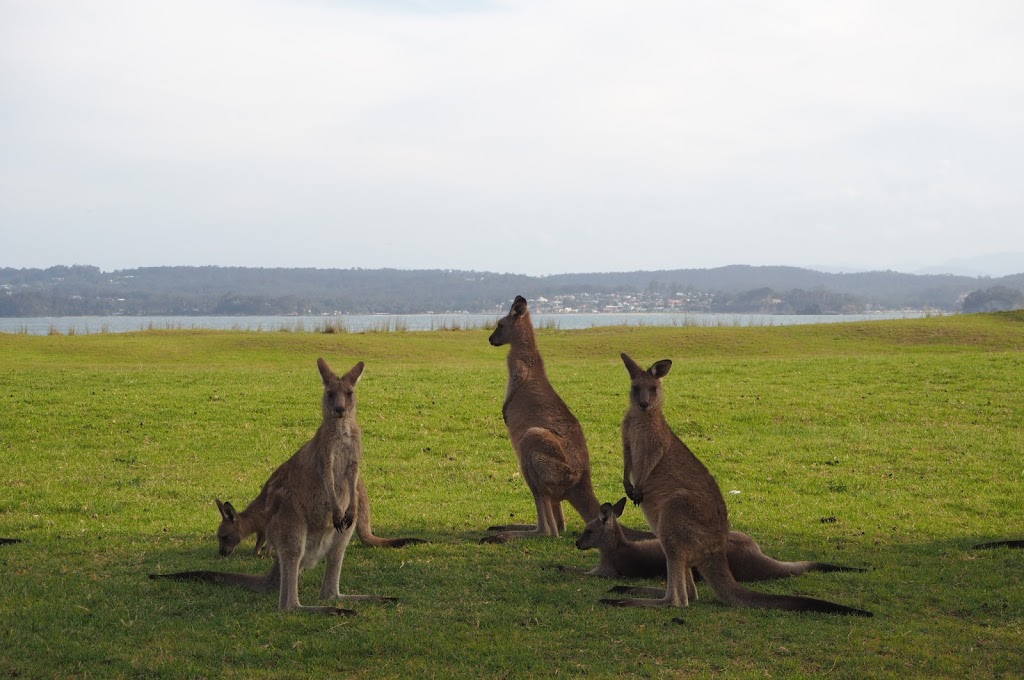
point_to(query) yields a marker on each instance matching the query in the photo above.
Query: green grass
(893, 445)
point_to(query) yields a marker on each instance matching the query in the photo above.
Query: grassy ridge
(892, 445)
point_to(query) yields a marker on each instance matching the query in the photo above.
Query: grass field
(890, 445)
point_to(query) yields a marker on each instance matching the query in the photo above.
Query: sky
(533, 137)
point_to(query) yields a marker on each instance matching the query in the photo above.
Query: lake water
(360, 323)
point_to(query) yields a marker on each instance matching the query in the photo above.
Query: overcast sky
(534, 136)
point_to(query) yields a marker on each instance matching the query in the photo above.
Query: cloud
(726, 132)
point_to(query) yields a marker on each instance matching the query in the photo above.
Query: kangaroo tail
(825, 566)
(716, 572)
(364, 528)
(378, 542)
(365, 532)
(262, 584)
(1001, 544)
(751, 566)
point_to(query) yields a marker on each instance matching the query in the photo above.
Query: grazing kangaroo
(236, 526)
(311, 500)
(546, 436)
(685, 507)
(645, 559)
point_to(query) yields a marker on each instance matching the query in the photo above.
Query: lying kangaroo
(645, 559)
(546, 436)
(311, 502)
(236, 526)
(685, 507)
(9, 541)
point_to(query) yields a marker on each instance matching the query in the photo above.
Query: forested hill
(85, 290)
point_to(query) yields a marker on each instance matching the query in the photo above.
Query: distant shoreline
(366, 323)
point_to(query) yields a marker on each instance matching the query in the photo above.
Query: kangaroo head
(228, 534)
(512, 324)
(339, 392)
(603, 527)
(646, 391)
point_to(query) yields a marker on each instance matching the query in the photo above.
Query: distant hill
(994, 265)
(85, 290)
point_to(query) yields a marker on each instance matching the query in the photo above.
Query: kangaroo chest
(647, 447)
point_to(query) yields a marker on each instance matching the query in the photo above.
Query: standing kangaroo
(684, 507)
(546, 436)
(311, 501)
(236, 526)
(621, 556)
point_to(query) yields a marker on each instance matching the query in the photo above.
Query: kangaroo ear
(619, 507)
(355, 372)
(325, 371)
(519, 306)
(661, 368)
(631, 366)
(227, 511)
(606, 511)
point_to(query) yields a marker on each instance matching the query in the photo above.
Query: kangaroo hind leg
(679, 589)
(544, 468)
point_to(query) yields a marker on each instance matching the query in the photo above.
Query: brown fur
(236, 526)
(684, 506)
(621, 556)
(311, 500)
(546, 436)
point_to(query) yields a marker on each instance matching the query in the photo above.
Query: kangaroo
(684, 506)
(9, 541)
(236, 526)
(311, 504)
(546, 436)
(645, 559)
